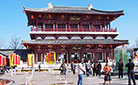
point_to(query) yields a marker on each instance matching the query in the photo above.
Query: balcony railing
(74, 30)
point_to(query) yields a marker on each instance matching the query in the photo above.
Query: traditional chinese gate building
(72, 32)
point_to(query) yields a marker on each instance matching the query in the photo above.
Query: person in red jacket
(107, 70)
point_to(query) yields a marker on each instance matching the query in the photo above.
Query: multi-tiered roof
(71, 22)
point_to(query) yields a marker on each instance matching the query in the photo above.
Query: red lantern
(40, 16)
(62, 16)
(27, 46)
(63, 46)
(101, 46)
(99, 17)
(89, 46)
(114, 18)
(87, 17)
(123, 45)
(39, 46)
(50, 46)
(32, 17)
(49, 16)
(107, 17)
(111, 46)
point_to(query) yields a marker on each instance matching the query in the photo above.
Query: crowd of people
(94, 69)
(90, 68)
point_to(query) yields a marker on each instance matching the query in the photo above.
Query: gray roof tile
(83, 10)
(75, 41)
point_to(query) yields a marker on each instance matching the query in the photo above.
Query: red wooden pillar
(81, 27)
(56, 50)
(89, 27)
(109, 27)
(106, 54)
(93, 29)
(56, 28)
(69, 27)
(36, 26)
(113, 54)
(81, 55)
(68, 53)
(81, 52)
(66, 27)
(95, 57)
(43, 28)
(56, 55)
(92, 26)
(35, 54)
(104, 29)
(43, 55)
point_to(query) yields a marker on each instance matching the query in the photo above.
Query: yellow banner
(30, 59)
(12, 59)
(50, 58)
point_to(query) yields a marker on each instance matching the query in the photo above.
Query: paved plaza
(48, 78)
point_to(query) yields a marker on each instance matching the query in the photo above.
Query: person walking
(39, 67)
(130, 65)
(73, 67)
(96, 64)
(81, 70)
(88, 68)
(94, 69)
(63, 68)
(99, 67)
(120, 69)
(107, 77)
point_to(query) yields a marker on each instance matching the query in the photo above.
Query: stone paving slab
(46, 78)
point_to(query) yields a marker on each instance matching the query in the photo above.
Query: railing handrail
(75, 29)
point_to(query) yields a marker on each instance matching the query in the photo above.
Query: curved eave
(110, 12)
(119, 14)
(74, 42)
(83, 11)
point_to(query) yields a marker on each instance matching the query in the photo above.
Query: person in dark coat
(130, 65)
(39, 67)
(94, 69)
(73, 67)
(120, 69)
(99, 67)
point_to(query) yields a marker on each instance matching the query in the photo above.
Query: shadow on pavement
(106, 84)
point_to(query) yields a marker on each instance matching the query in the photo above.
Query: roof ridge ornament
(90, 7)
(50, 6)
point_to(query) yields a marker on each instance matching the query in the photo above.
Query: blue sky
(13, 20)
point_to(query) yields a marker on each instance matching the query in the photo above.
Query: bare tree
(15, 43)
(2, 43)
(136, 44)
